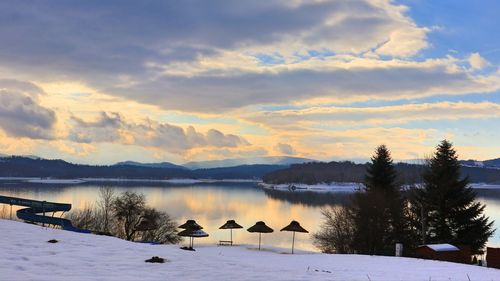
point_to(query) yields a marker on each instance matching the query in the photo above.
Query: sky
(105, 81)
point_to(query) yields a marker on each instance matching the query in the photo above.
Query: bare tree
(166, 228)
(85, 218)
(336, 233)
(128, 209)
(105, 204)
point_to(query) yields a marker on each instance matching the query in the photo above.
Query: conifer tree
(378, 211)
(452, 214)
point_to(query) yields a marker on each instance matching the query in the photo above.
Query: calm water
(211, 204)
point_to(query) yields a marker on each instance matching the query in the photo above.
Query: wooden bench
(225, 243)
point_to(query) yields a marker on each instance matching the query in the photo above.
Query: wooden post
(43, 209)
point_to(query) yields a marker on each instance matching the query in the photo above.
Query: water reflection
(212, 204)
(309, 198)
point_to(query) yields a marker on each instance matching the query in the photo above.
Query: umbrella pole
(231, 237)
(260, 234)
(293, 241)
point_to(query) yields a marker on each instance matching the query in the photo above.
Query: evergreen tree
(452, 214)
(378, 211)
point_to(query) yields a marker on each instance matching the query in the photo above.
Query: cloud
(213, 93)
(21, 115)
(476, 61)
(132, 58)
(105, 129)
(374, 116)
(285, 148)
(112, 127)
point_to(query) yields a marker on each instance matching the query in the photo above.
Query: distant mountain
(20, 166)
(276, 160)
(492, 162)
(26, 156)
(489, 164)
(167, 165)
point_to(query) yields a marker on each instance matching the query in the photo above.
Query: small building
(444, 252)
(493, 257)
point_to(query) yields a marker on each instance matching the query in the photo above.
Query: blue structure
(36, 207)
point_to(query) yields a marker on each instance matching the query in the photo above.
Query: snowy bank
(344, 186)
(321, 187)
(485, 186)
(26, 255)
(119, 180)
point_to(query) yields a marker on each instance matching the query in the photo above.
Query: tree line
(346, 171)
(443, 209)
(18, 166)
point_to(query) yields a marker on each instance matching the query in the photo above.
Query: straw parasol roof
(191, 224)
(193, 233)
(294, 226)
(260, 227)
(230, 224)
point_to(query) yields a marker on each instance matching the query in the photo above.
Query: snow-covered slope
(26, 255)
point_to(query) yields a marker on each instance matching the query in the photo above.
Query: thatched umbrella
(190, 230)
(294, 226)
(191, 233)
(260, 227)
(231, 224)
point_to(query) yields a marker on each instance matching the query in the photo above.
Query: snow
(485, 186)
(175, 181)
(321, 187)
(442, 247)
(344, 186)
(26, 255)
(83, 180)
(56, 181)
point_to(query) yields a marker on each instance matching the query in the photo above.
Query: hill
(19, 166)
(26, 255)
(489, 164)
(167, 165)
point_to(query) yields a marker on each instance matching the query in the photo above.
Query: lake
(211, 204)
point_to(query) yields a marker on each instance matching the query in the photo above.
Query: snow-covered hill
(26, 255)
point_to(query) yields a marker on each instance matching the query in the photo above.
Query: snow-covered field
(26, 255)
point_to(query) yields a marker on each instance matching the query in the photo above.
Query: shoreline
(93, 180)
(342, 187)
